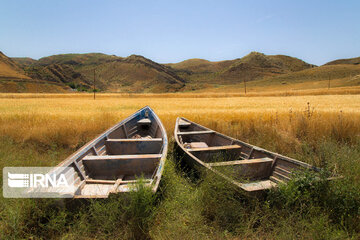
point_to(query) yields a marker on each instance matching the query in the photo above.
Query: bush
(310, 194)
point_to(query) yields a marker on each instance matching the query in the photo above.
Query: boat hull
(132, 151)
(251, 168)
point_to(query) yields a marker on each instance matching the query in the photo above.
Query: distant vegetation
(138, 74)
(42, 130)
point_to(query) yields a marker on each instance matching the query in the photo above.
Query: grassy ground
(325, 132)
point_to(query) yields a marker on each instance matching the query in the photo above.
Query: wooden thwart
(241, 162)
(121, 157)
(195, 132)
(133, 146)
(144, 121)
(100, 181)
(215, 148)
(183, 123)
(136, 140)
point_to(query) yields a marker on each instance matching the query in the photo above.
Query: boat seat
(258, 186)
(138, 136)
(135, 140)
(133, 146)
(195, 145)
(243, 162)
(121, 157)
(183, 124)
(251, 168)
(116, 165)
(214, 148)
(100, 181)
(195, 132)
(144, 121)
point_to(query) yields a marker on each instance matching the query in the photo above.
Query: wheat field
(69, 120)
(323, 130)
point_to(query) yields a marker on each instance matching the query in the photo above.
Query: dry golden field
(75, 118)
(324, 130)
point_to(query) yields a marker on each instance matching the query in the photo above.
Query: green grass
(187, 208)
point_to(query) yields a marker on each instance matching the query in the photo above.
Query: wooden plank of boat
(242, 162)
(183, 123)
(195, 132)
(264, 168)
(133, 146)
(109, 163)
(215, 148)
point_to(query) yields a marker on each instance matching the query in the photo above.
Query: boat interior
(257, 168)
(116, 159)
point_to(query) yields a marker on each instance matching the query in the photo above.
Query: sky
(172, 31)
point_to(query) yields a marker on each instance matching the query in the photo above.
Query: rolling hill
(136, 73)
(14, 79)
(116, 74)
(58, 73)
(197, 65)
(352, 61)
(9, 69)
(78, 60)
(257, 65)
(201, 73)
(24, 62)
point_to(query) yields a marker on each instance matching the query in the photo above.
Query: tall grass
(212, 92)
(325, 132)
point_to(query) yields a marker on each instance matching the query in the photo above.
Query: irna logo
(20, 180)
(40, 182)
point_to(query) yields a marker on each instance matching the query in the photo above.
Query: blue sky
(172, 31)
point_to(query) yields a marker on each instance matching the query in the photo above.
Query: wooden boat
(255, 168)
(114, 161)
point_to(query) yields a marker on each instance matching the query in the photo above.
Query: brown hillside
(139, 74)
(257, 65)
(353, 61)
(200, 72)
(24, 62)
(134, 74)
(14, 79)
(197, 65)
(78, 60)
(58, 73)
(345, 72)
(9, 69)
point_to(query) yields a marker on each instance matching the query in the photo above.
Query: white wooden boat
(131, 151)
(257, 169)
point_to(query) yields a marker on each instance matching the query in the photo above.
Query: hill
(61, 74)
(24, 62)
(131, 74)
(197, 65)
(9, 69)
(201, 73)
(14, 79)
(352, 61)
(340, 75)
(78, 60)
(136, 73)
(258, 65)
